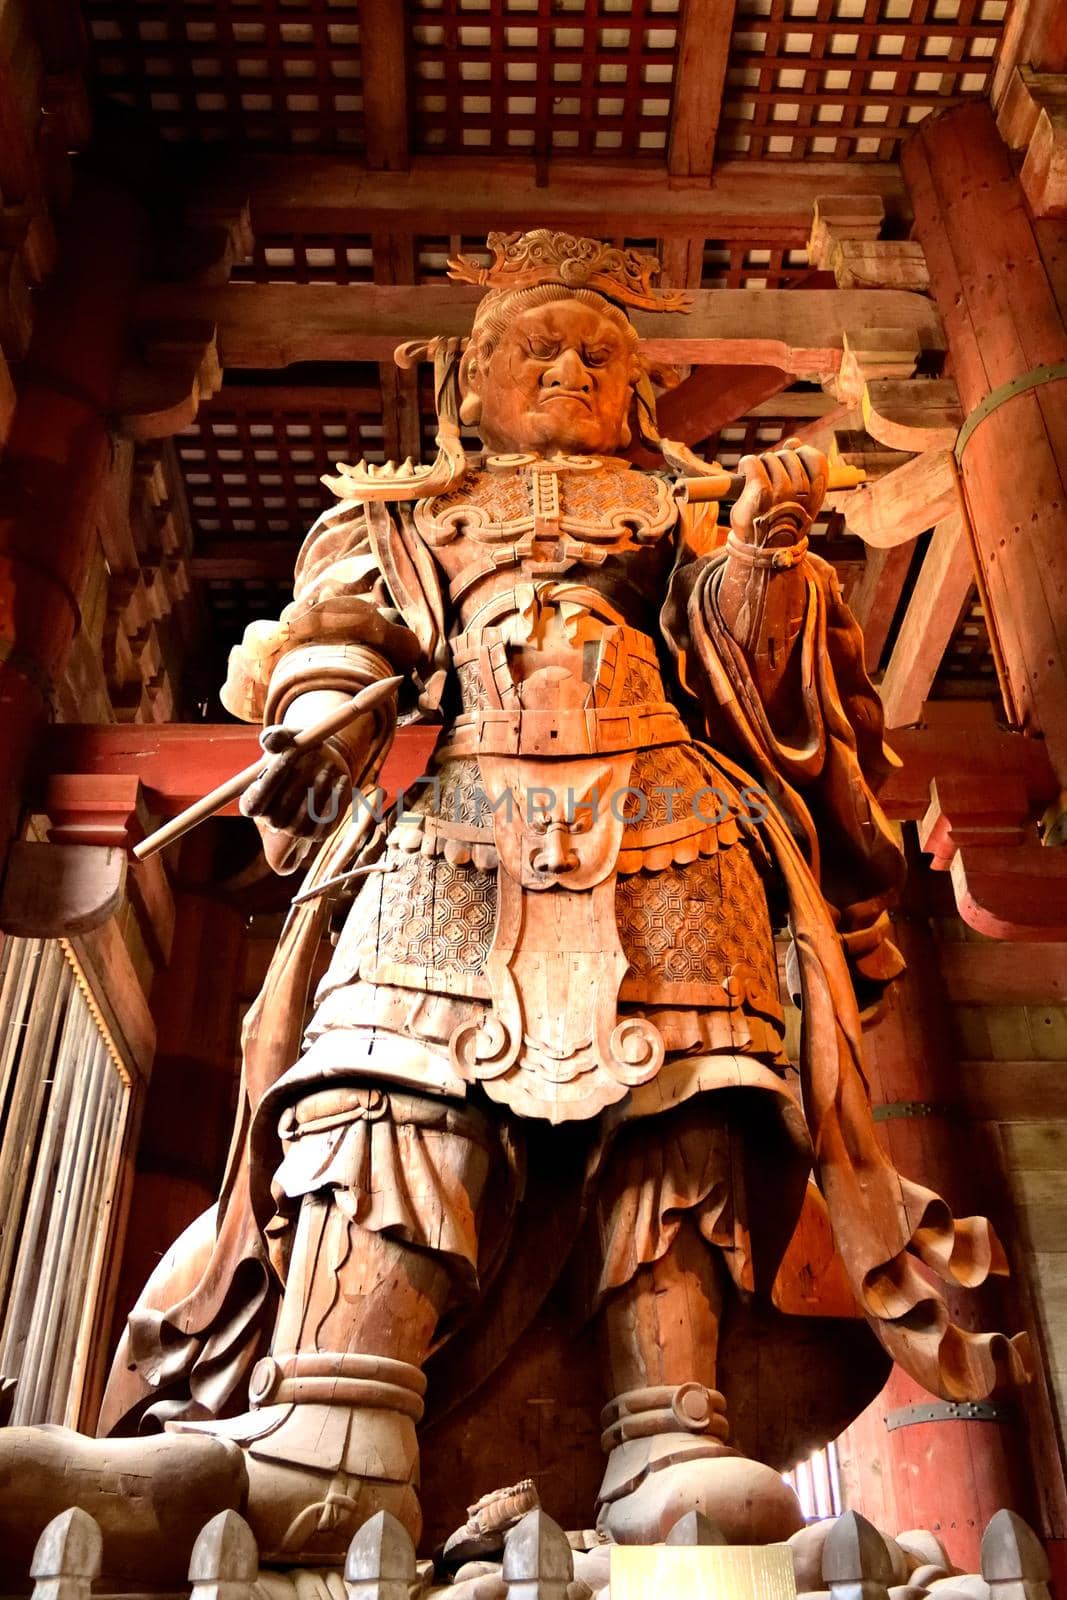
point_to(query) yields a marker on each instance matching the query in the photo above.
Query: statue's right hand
(299, 792)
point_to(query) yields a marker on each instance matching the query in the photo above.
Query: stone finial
(856, 1564)
(225, 1560)
(538, 1561)
(694, 1528)
(1014, 1563)
(381, 1561)
(67, 1557)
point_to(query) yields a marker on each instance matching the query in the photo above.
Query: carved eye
(544, 349)
(598, 356)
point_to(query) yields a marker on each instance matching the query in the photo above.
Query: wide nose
(567, 372)
(553, 854)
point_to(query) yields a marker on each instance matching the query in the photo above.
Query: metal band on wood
(910, 1108)
(949, 1411)
(1035, 379)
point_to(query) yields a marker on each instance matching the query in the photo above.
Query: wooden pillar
(191, 1097)
(56, 463)
(935, 1468)
(1004, 327)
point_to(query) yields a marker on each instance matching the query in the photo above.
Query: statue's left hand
(792, 473)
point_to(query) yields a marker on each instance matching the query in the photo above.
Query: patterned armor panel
(566, 742)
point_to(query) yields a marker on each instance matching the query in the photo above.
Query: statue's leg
(671, 1217)
(376, 1233)
(662, 1328)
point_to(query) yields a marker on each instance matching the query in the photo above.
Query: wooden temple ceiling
(804, 79)
(374, 138)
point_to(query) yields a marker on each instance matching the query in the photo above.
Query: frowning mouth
(574, 395)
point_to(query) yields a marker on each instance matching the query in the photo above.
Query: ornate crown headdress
(523, 260)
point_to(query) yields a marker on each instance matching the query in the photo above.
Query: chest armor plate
(543, 517)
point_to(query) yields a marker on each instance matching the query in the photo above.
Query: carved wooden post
(856, 1564)
(67, 1557)
(381, 1561)
(225, 1561)
(1014, 1563)
(1008, 347)
(910, 1460)
(538, 1562)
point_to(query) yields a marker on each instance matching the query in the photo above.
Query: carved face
(558, 378)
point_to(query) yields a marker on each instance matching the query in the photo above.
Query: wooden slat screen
(64, 1098)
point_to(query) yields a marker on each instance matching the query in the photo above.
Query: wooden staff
(360, 705)
(724, 485)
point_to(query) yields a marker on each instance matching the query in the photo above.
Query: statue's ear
(469, 369)
(662, 375)
(470, 374)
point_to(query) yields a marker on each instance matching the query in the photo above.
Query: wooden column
(1003, 325)
(189, 1108)
(56, 463)
(944, 1472)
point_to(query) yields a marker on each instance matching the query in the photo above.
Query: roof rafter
(383, 39)
(763, 201)
(699, 79)
(273, 325)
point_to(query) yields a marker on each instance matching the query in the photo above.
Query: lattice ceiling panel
(543, 77)
(253, 459)
(848, 79)
(237, 71)
(730, 265)
(968, 670)
(308, 258)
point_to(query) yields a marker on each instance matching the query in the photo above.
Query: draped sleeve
(823, 770)
(840, 864)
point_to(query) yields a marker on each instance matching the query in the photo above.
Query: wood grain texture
(1002, 321)
(273, 325)
(699, 79)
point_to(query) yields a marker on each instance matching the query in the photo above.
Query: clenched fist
(790, 475)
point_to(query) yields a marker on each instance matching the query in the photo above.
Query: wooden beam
(1012, 892)
(912, 413)
(713, 397)
(245, 560)
(699, 79)
(394, 263)
(383, 41)
(941, 589)
(681, 262)
(1035, 35)
(875, 598)
(104, 956)
(52, 891)
(179, 762)
(272, 325)
(284, 398)
(806, 405)
(960, 737)
(1010, 974)
(763, 201)
(906, 502)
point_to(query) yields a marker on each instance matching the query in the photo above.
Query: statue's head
(552, 365)
(553, 359)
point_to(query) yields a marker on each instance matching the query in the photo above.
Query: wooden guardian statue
(554, 987)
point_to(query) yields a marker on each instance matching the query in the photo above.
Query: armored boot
(328, 1441)
(667, 1455)
(665, 1431)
